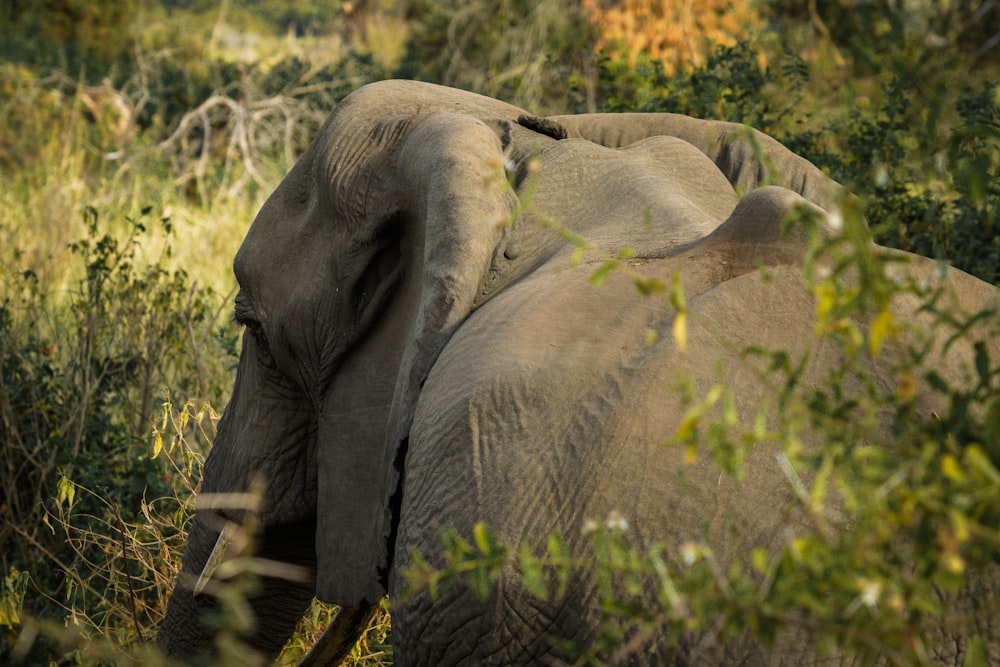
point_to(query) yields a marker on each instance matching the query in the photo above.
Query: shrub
(676, 34)
(873, 30)
(82, 377)
(73, 34)
(527, 53)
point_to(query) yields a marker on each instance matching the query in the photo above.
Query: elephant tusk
(218, 554)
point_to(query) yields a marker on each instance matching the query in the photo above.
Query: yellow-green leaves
(976, 654)
(951, 468)
(609, 266)
(714, 424)
(65, 491)
(883, 328)
(678, 301)
(15, 584)
(555, 567)
(477, 564)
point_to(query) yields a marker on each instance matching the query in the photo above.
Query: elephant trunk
(195, 616)
(184, 632)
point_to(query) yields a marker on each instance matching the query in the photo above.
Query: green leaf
(760, 559)
(677, 299)
(982, 364)
(484, 540)
(532, 574)
(975, 653)
(602, 272)
(480, 581)
(560, 558)
(883, 328)
(935, 380)
(647, 286)
(9, 613)
(951, 468)
(65, 492)
(680, 331)
(780, 360)
(979, 461)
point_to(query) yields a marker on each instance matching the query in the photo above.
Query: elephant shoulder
(767, 228)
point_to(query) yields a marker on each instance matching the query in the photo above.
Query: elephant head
(403, 236)
(352, 277)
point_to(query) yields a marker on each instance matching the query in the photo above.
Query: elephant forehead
(658, 191)
(287, 250)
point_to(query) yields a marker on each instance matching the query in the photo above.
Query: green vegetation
(138, 138)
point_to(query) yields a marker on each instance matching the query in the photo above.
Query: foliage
(68, 33)
(81, 382)
(523, 52)
(373, 648)
(271, 112)
(299, 16)
(670, 32)
(929, 164)
(872, 30)
(730, 86)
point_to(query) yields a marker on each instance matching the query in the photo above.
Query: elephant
(424, 350)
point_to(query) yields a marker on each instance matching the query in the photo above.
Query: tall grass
(122, 211)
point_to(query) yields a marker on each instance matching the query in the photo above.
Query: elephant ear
(454, 213)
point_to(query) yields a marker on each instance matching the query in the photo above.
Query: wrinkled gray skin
(411, 362)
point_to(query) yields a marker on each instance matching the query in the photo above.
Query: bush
(674, 34)
(85, 37)
(873, 30)
(526, 53)
(81, 386)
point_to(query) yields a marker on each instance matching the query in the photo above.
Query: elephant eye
(256, 332)
(262, 347)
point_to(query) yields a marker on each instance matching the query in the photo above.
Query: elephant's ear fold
(455, 200)
(463, 202)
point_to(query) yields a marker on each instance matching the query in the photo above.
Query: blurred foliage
(871, 31)
(673, 33)
(296, 16)
(67, 33)
(523, 52)
(81, 384)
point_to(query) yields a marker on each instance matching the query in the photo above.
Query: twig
(60, 564)
(820, 26)
(128, 573)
